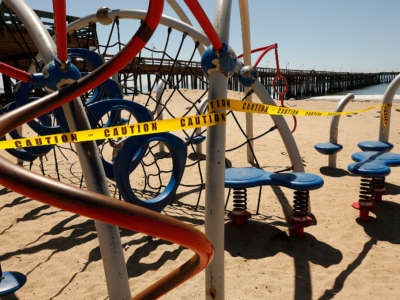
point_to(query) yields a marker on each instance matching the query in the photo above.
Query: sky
(339, 35)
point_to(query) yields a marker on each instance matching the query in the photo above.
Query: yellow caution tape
(210, 119)
(258, 108)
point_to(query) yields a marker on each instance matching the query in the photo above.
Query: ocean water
(378, 89)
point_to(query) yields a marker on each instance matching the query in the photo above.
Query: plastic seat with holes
(239, 179)
(113, 106)
(130, 156)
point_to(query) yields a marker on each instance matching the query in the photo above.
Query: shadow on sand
(333, 172)
(384, 227)
(259, 240)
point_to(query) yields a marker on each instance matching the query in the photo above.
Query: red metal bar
(278, 75)
(205, 23)
(261, 49)
(60, 22)
(14, 72)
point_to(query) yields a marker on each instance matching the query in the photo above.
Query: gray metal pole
(246, 41)
(93, 172)
(89, 157)
(388, 99)
(333, 133)
(215, 168)
(284, 131)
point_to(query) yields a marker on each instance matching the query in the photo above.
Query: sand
(338, 258)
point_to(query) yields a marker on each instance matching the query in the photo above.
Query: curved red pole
(267, 48)
(274, 46)
(205, 23)
(14, 72)
(60, 23)
(278, 74)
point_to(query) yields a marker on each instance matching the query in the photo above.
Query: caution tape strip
(204, 120)
(152, 127)
(258, 108)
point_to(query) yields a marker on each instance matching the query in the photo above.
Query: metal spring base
(300, 218)
(239, 215)
(369, 187)
(378, 188)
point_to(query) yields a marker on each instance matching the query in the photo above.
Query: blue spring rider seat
(375, 146)
(239, 179)
(10, 282)
(372, 166)
(328, 148)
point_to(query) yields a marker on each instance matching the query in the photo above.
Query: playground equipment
(333, 147)
(10, 282)
(239, 179)
(94, 205)
(373, 165)
(221, 62)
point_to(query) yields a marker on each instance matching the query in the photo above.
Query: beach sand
(339, 258)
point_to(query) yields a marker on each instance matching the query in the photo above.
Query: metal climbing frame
(90, 204)
(40, 187)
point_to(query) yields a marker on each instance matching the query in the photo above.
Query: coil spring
(366, 190)
(300, 203)
(378, 185)
(240, 199)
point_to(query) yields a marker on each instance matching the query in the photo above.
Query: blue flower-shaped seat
(239, 179)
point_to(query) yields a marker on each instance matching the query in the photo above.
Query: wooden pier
(302, 83)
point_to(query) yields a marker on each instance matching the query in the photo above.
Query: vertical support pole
(386, 110)
(244, 16)
(93, 172)
(334, 128)
(215, 168)
(159, 109)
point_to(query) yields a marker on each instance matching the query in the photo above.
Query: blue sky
(340, 35)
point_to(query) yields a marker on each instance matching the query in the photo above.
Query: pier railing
(302, 83)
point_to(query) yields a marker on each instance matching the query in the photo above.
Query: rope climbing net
(166, 78)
